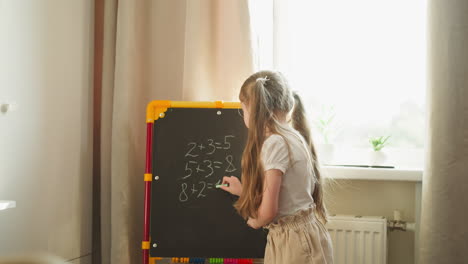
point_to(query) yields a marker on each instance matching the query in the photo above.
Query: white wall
(46, 142)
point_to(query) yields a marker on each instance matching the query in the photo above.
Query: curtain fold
(158, 50)
(444, 232)
(217, 51)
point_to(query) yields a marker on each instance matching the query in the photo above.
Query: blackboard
(192, 150)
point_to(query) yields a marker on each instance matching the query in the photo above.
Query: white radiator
(358, 240)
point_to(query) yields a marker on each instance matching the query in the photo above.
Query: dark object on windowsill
(364, 166)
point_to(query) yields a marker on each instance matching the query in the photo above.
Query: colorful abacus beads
(230, 261)
(181, 260)
(197, 260)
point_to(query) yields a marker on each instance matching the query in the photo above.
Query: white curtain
(158, 50)
(444, 229)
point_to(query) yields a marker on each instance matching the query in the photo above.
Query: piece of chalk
(220, 185)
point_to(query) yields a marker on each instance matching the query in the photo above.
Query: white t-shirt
(298, 181)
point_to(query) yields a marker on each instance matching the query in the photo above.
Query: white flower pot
(326, 153)
(377, 158)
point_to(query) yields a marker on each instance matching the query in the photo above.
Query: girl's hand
(234, 185)
(253, 223)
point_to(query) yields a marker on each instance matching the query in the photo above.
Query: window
(362, 62)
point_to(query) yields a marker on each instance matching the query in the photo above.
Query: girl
(281, 187)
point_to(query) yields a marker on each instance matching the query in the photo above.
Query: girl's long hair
(266, 95)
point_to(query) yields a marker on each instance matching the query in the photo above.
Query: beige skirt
(298, 239)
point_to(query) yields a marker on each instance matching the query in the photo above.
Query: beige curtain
(444, 228)
(167, 50)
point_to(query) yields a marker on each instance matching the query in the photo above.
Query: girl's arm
(269, 207)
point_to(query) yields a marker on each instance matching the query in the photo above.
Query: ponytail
(299, 122)
(252, 168)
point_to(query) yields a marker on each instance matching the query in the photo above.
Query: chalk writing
(203, 169)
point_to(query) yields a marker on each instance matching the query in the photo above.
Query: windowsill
(336, 172)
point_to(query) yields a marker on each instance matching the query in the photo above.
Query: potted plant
(325, 125)
(377, 156)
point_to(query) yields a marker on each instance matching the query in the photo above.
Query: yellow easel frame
(156, 109)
